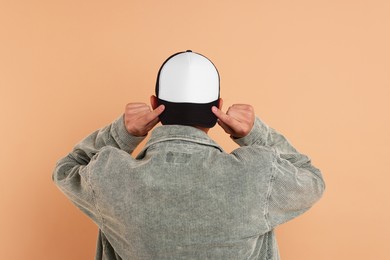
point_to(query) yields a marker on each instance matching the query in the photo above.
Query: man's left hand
(140, 118)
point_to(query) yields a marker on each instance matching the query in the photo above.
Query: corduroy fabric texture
(183, 197)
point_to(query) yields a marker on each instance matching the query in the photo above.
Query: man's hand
(238, 120)
(140, 118)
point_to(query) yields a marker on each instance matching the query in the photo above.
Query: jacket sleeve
(294, 184)
(72, 172)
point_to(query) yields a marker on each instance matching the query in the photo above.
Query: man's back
(184, 198)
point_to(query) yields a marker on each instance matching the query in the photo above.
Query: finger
(218, 113)
(226, 128)
(242, 106)
(242, 113)
(139, 112)
(152, 124)
(137, 108)
(153, 115)
(226, 119)
(238, 115)
(135, 105)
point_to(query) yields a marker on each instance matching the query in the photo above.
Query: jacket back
(183, 197)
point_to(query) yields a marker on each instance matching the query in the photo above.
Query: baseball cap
(188, 86)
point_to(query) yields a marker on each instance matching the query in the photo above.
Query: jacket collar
(179, 132)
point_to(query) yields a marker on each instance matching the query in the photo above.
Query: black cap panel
(188, 114)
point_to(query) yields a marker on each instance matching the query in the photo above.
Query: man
(183, 197)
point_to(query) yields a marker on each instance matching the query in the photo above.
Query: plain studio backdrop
(317, 71)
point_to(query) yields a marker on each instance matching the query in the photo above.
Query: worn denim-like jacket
(183, 197)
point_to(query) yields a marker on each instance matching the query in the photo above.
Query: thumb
(152, 116)
(222, 118)
(225, 121)
(218, 113)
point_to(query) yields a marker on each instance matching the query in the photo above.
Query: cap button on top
(188, 51)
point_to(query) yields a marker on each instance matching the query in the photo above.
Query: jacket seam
(99, 215)
(268, 196)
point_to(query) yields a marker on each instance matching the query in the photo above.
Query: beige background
(318, 71)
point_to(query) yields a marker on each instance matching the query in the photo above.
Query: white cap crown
(188, 77)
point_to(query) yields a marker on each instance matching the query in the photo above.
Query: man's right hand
(140, 118)
(238, 120)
